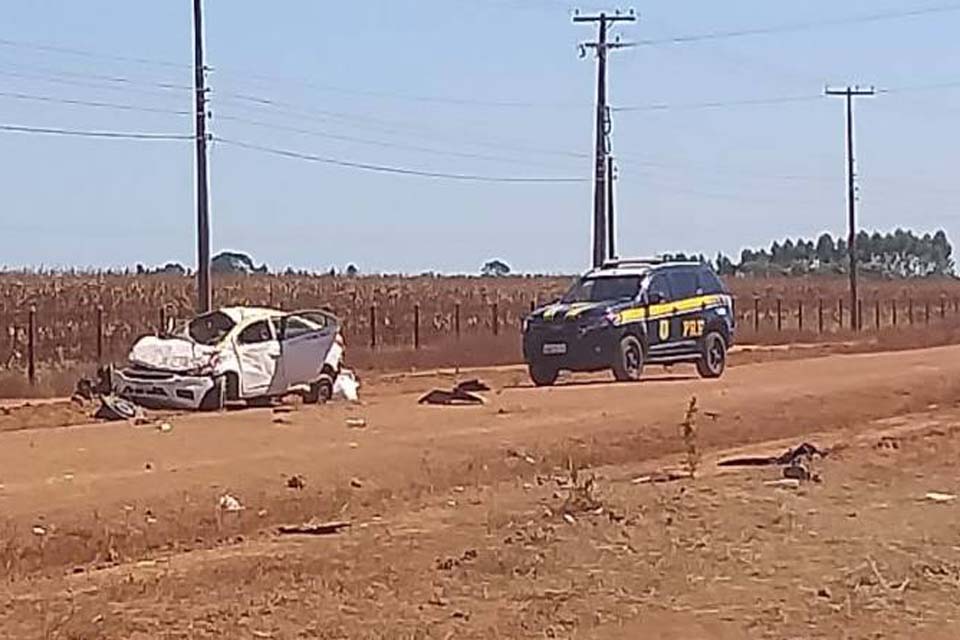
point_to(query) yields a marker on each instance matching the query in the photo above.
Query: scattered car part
(314, 529)
(113, 408)
(461, 394)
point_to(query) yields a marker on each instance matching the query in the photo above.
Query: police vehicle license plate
(554, 349)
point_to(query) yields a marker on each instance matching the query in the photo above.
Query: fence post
(456, 320)
(163, 319)
(820, 315)
(926, 312)
(533, 306)
(840, 313)
(756, 314)
(859, 319)
(416, 326)
(373, 326)
(800, 316)
(495, 318)
(100, 335)
(32, 347)
(910, 311)
(893, 309)
(779, 315)
(943, 307)
(876, 313)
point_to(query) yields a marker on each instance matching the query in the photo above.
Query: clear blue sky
(491, 87)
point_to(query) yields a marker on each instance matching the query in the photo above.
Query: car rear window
(709, 281)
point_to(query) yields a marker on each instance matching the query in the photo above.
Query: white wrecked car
(235, 353)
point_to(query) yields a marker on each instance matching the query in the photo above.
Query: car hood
(171, 354)
(561, 311)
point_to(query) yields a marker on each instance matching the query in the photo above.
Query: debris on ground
(448, 564)
(165, 427)
(346, 386)
(941, 498)
(356, 483)
(356, 423)
(113, 409)
(39, 531)
(314, 528)
(297, 482)
(526, 457)
(803, 453)
(797, 463)
(230, 503)
(464, 393)
(662, 476)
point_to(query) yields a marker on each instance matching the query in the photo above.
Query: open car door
(305, 339)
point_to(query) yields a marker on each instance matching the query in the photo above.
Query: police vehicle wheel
(714, 356)
(543, 375)
(628, 365)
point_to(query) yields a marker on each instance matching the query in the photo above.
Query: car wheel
(628, 365)
(713, 359)
(543, 375)
(320, 391)
(215, 398)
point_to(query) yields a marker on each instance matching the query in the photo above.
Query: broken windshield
(211, 328)
(605, 288)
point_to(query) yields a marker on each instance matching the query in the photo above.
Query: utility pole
(203, 197)
(611, 235)
(850, 93)
(601, 46)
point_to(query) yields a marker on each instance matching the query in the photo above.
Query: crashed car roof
(242, 314)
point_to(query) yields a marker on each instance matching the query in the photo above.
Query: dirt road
(109, 495)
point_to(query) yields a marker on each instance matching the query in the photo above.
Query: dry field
(413, 321)
(522, 518)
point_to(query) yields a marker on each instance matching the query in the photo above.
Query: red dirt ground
(113, 531)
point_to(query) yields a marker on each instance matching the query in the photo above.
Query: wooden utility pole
(601, 46)
(850, 93)
(203, 197)
(611, 235)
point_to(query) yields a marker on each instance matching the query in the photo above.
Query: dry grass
(490, 314)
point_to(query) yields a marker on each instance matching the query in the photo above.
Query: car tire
(713, 356)
(543, 375)
(320, 391)
(215, 398)
(628, 364)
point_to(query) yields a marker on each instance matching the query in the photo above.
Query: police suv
(632, 312)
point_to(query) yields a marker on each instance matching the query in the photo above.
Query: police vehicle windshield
(600, 289)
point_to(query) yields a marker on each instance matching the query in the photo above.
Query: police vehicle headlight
(603, 322)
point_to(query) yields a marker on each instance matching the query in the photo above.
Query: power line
(394, 170)
(717, 104)
(48, 74)
(86, 53)
(90, 103)
(799, 26)
(368, 141)
(122, 135)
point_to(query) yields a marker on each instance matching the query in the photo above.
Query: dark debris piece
(802, 453)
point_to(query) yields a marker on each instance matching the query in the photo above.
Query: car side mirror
(655, 297)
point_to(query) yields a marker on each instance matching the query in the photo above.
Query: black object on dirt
(791, 457)
(461, 394)
(314, 529)
(113, 408)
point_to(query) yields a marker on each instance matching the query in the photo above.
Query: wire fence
(43, 336)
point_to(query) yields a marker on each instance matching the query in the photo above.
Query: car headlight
(603, 322)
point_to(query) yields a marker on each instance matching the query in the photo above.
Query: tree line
(897, 254)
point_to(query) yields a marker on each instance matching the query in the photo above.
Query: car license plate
(554, 349)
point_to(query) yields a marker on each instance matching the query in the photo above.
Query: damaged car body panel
(235, 353)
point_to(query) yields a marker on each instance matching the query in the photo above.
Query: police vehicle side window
(709, 281)
(683, 283)
(658, 287)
